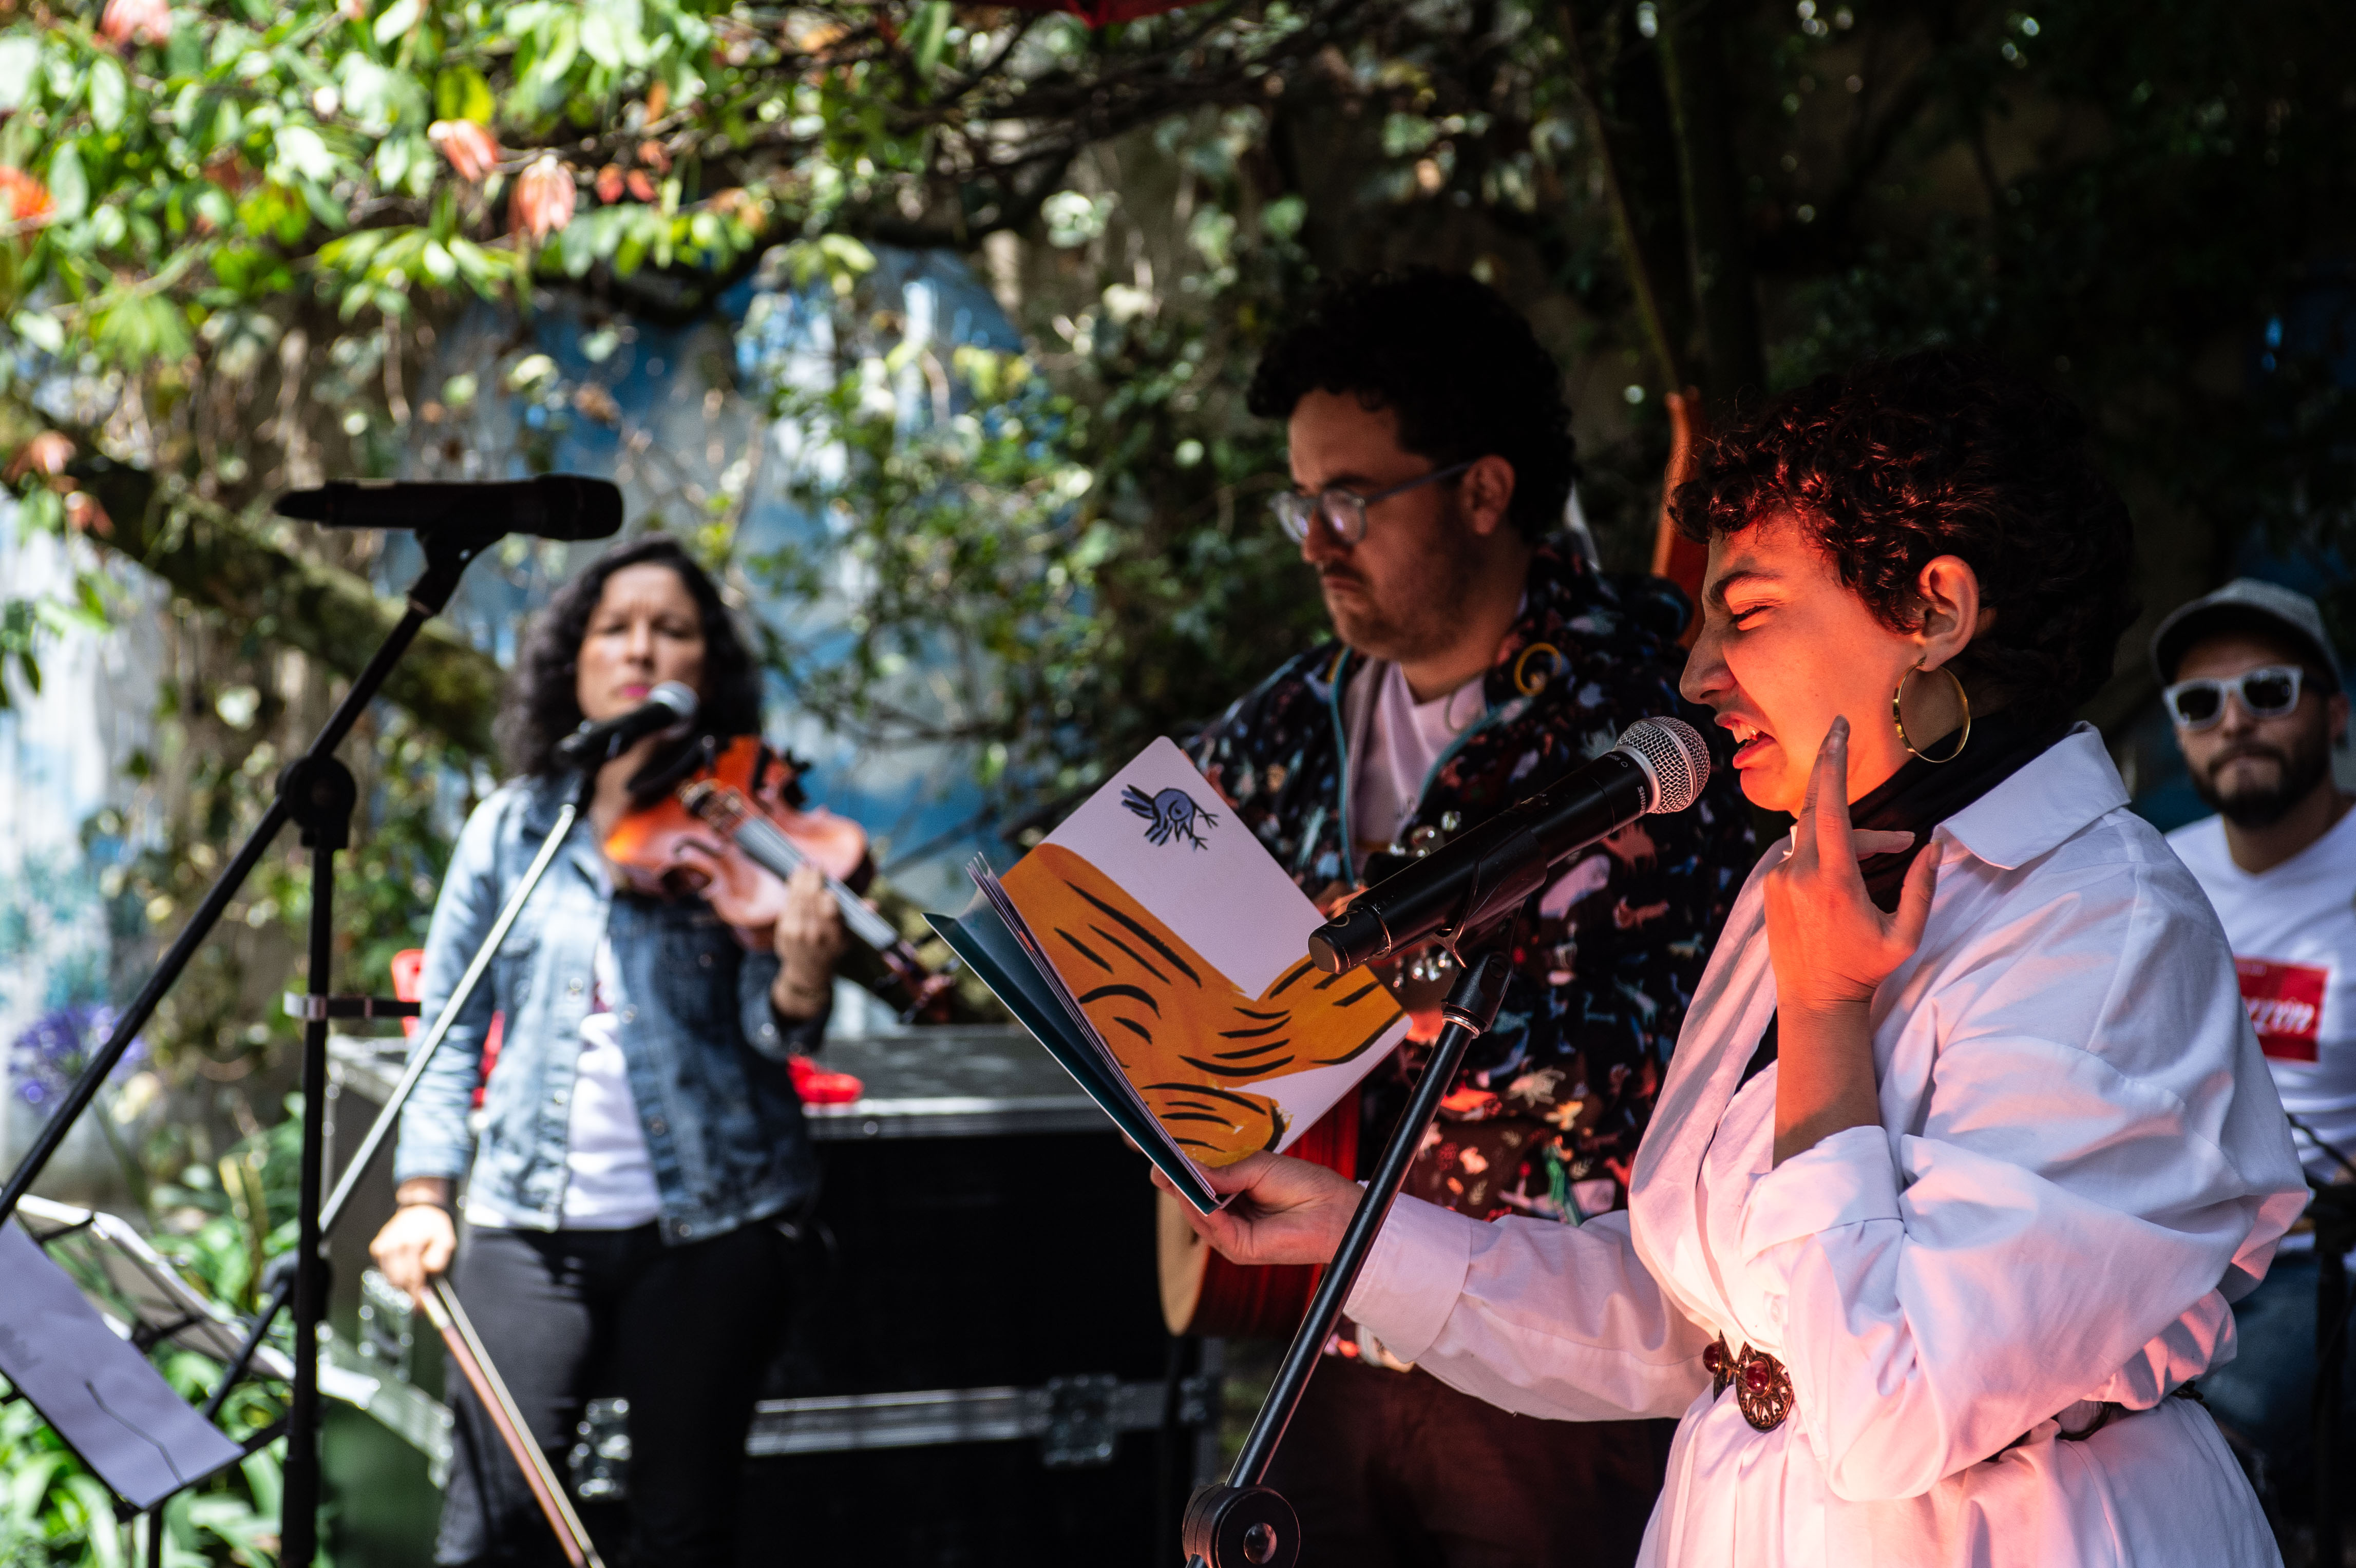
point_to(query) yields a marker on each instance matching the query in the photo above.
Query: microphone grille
(1676, 756)
(676, 695)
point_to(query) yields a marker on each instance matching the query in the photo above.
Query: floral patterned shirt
(1545, 1116)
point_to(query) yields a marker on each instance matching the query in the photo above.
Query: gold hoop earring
(1897, 717)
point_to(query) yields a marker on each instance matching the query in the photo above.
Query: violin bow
(450, 1320)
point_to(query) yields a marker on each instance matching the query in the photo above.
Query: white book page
(1186, 945)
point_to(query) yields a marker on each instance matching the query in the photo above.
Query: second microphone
(1658, 765)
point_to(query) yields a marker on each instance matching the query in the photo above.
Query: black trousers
(682, 1333)
(1391, 1469)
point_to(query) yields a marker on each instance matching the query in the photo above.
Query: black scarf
(1921, 795)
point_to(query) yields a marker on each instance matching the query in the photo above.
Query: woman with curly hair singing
(1967, 1146)
(640, 1137)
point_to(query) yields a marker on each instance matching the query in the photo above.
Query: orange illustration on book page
(1192, 1042)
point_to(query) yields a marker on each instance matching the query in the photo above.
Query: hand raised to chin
(1832, 948)
(1832, 945)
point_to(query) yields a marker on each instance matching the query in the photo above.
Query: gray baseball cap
(2245, 604)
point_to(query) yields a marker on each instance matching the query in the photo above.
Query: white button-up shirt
(2081, 1162)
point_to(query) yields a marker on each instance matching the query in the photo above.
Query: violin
(730, 823)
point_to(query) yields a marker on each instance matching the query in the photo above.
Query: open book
(1156, 949)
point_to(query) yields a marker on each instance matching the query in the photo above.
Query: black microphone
(553, 507)
(668, 704)
(1659, 764)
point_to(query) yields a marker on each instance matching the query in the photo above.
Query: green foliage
(1043, 557)
(224, 1219)
(52, 1510)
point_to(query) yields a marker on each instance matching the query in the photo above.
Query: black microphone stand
(317, 793)
(1239, 1522)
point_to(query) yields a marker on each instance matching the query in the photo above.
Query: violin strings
(772, 849)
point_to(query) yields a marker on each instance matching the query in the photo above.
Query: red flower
(609, 184)
(26, 199)
(543, 198)
(472, 150)
(639, 185)
(147, 21)
(46, 453)
(84, 514)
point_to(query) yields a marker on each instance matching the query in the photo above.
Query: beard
(1420, 610)
(2298, 768)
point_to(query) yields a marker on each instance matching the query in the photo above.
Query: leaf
(396, 20)
(263, 1474)
(20, 58)
(98, 1504)
(68, 186)
(108, 92)
(31, 1479)
(929, 36)
(42, 331)
(392, 155)
(302, 152)
(461, 93)
(613, 33)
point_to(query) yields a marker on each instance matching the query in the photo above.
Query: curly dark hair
(541, 707)
(1464, 372)
(1942, 453)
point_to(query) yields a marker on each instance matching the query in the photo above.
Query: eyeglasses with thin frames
(1344, 512)
(2267, 692)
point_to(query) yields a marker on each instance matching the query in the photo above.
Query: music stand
(96, 1388)
(146, 1299)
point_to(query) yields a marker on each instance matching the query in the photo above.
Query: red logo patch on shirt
(2286, 1003)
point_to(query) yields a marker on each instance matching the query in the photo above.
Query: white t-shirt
(2293, 932)
(609, 1180)
(1396, 739)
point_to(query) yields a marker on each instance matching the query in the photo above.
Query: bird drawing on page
(1172, 813)
(1197, 1046)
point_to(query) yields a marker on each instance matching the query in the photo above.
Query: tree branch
(218, 560)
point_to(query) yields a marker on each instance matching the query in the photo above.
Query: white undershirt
(609, 1181)
(1399, 740)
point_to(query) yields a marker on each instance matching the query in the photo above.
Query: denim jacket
(706, 1057)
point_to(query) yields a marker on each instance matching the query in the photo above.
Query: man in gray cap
(2253, 687)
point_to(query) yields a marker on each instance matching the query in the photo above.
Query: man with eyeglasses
(2253, 687)
(1478, 657)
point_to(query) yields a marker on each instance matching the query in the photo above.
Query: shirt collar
(2069, 785)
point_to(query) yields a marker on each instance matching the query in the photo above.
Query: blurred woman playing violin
(641, 1140)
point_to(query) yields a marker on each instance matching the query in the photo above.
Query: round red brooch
(1763, 1389)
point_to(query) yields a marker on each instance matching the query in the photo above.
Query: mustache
(2257, 749)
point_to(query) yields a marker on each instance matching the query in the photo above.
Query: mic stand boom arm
(1239, 1522)
(316, 792)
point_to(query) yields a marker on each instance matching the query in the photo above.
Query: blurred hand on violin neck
(808, 939)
